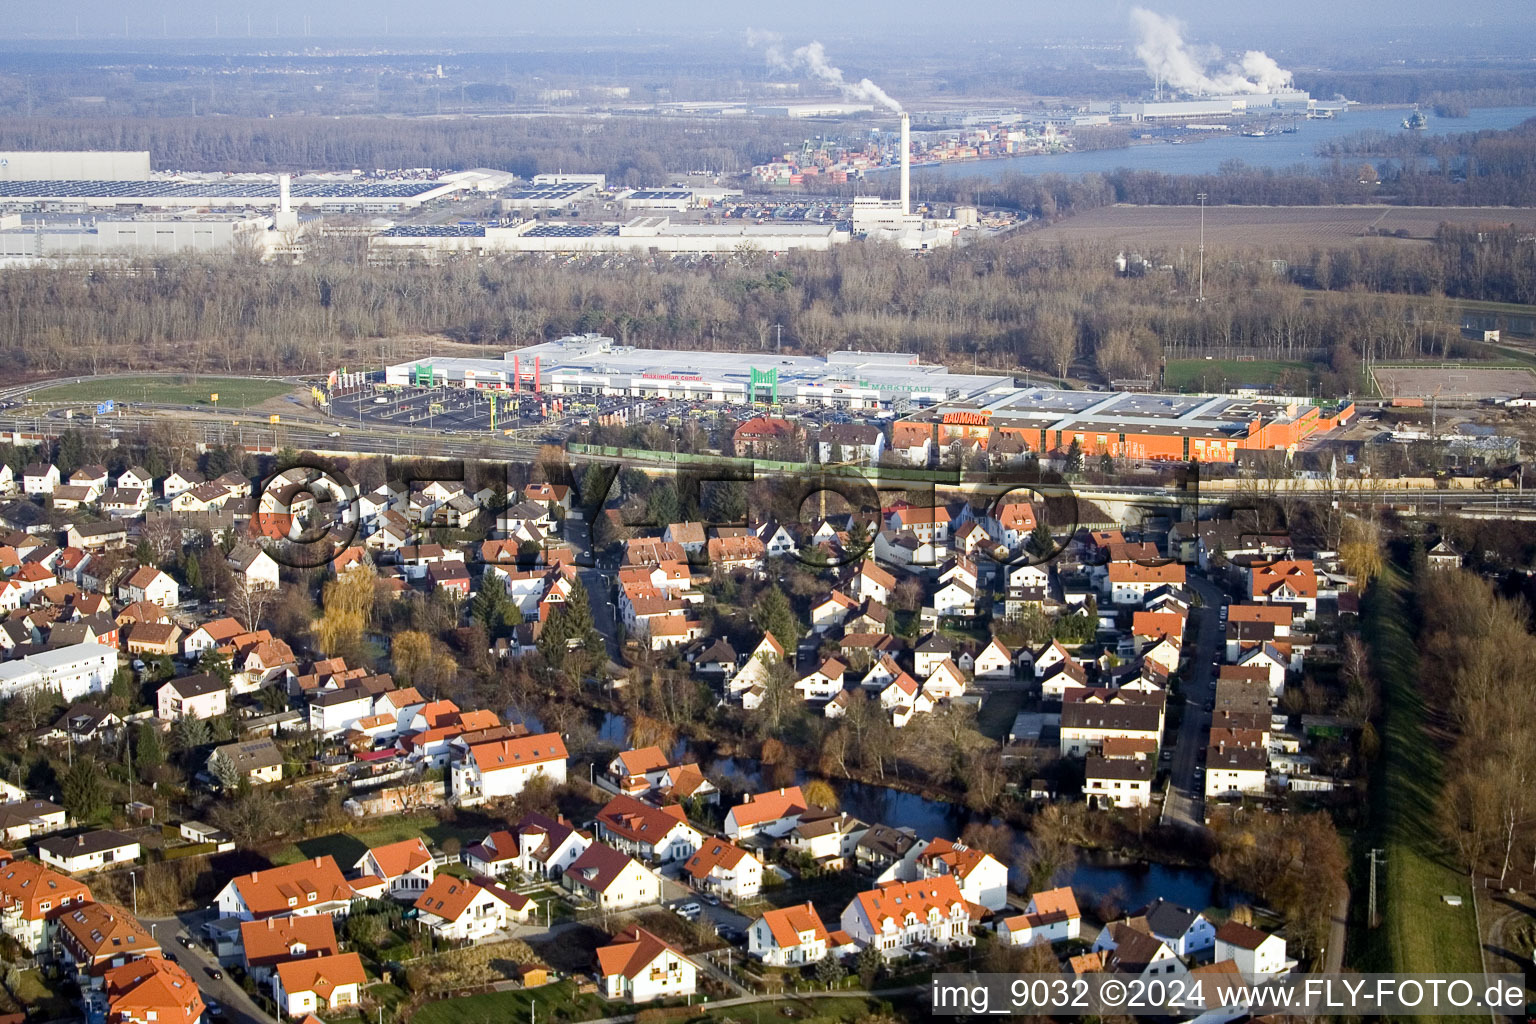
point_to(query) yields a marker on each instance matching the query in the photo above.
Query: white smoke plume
(1170, 60)
(812, 57)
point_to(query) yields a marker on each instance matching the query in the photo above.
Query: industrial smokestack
(906, 164)
(283, 182)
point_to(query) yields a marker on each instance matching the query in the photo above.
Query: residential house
(885, 853)
(88, 851)
(788, 937)
(897, 916)
(1258, 955)
(406, 867)
(1049, 916)
(267, 943)
(293, 890)
(1290, 582)
(772, 813)
(319, 984)
(611, 880)
(460, 910)
(71, 672)
(150, 585)
(648, 832)
(1129, 583)
(1118, 782)
(1012, 523)
(638, 967)
(199, 696)
(995, 661)
(151, 990)
(22, 819)
(501, 768)
(177, 482)
(537, 846)
(767, 437)
(39, 478)
(32, 899)
(983, 879)
(1130, 951)
(96, 937)
(850, 443)
(722, 867)
(823, 682)
(258, 761)
(1235, 770)
(1184, 930)
(929, 525)
(253, 567)
(153, 639)
(1086, 723)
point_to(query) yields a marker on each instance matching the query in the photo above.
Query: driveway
(1186, 796)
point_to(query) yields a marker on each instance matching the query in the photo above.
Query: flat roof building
(592, 364)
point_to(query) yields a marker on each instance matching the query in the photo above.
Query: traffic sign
(102, 408)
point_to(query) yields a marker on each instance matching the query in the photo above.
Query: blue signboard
(104, 407)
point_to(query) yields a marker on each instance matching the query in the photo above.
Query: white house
(1257, 954)
(995, 661)
(255, 568)
(638, 967)
(72, 671)
(721, 866)
(457, 909)
(89, 851)
(1133, 952)
(1186, 931)
(1050, 916)
(983, 879)
(772, 813)
(200, 696)
(789, 937)
(899, 915)
(323, 984)
(1118, 782)
(150, 585)
(611, 880)
(39, 478)
(643, 830)
(405, 867)
(292, 890)
(492, 771)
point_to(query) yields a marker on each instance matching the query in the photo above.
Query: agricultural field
(1154, 227)
(233, 392)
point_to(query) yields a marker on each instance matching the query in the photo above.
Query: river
(1205, 155)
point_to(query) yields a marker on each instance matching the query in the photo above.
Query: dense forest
(630, 150)
(1011, 303)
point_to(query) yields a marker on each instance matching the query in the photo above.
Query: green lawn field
(1208, 374)
(347, 847)
(233, 392)
(554, 1002)
(1419, 932)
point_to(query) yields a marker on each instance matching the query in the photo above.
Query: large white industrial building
(641, 234)
(75, 165)
(592, 364)
(24, 239)
(80, 195)
(1278, 101)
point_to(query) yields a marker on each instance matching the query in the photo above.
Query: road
(1185, 804)
(198, 961)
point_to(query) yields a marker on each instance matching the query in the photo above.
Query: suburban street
(198, 962)
(1185, 803)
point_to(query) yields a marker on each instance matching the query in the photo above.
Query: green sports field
(233, 392)
(1208, 374)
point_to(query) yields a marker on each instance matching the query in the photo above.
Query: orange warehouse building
(1172, 428)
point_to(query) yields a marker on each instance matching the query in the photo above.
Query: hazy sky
(1228, 22)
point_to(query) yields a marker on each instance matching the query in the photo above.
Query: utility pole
(1377, 856)
(1202, 196)
(778, 345)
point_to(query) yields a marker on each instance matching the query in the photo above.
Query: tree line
(1010, 305)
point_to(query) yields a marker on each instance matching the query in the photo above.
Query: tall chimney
(283, 183)
(906, 163)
